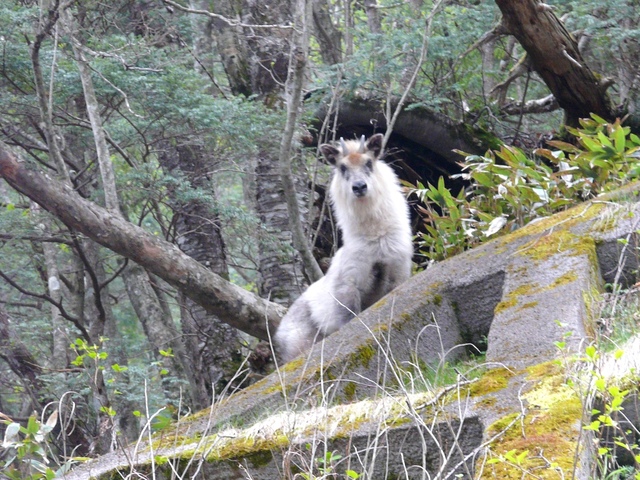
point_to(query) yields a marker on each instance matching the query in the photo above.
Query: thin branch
(43, 103)
(294, 85)
(94, 281)
(539, 105)
(36, 238)
(226, 20)
(116, 274)
(76, 321)
(423, 55)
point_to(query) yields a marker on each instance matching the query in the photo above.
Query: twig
(226, 20)
(423, 55)
(58, 305)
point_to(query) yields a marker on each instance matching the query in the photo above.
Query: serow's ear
(330, 152)
(374, 144)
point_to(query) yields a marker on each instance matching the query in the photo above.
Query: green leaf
(79, 361)
(11, 435)
(520, 458)
(33, 426)
(619, 139)
(604, 140)
(564, 146)
(108, 410)
(591, 144)
(594, 426)
(482, 178)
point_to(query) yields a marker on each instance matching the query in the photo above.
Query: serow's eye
(343, 169)
(369, 164)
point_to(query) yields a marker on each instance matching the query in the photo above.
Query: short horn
(362, 147)
(343, 145)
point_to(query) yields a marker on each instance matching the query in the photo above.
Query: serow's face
(355, 169)
(355, 163)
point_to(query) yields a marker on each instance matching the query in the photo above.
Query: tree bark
(59, 334)
(234, 305)
(160, 330)
(232, 49)
(212, 345)
(373, 17)
(20, 360)
(555, 57)
(444, 136)
(329, 37)
(281, 274)
(259, 65)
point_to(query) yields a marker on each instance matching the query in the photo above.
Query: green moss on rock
(350, 391)
(362, 356)
(551, 426)
(492, 381)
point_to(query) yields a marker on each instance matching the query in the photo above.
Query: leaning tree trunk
(555, 57)
(233, 304)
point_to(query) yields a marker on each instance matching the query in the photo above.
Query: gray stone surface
(515, 297)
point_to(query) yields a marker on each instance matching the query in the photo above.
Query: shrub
(508, 189)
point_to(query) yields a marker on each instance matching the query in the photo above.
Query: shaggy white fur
(373, 216)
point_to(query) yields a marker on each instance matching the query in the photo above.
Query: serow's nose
(359, 188)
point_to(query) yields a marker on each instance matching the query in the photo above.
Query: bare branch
(423, 56)
(76, 322)
(295, 82)
(226, 20)
(35, 238)
(540, 105)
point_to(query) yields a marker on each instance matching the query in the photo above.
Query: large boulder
(367, 399)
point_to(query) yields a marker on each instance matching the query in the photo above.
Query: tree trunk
(20, 360)
(373, 16)
(329, 37)
(160, 330)
(234, 305)
(59, 335)
(555, 57)
(282, 278)
(212, 345)
(232, 48)
(266, 59)
(99, 315)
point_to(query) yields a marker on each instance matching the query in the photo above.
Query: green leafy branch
(508, 189)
